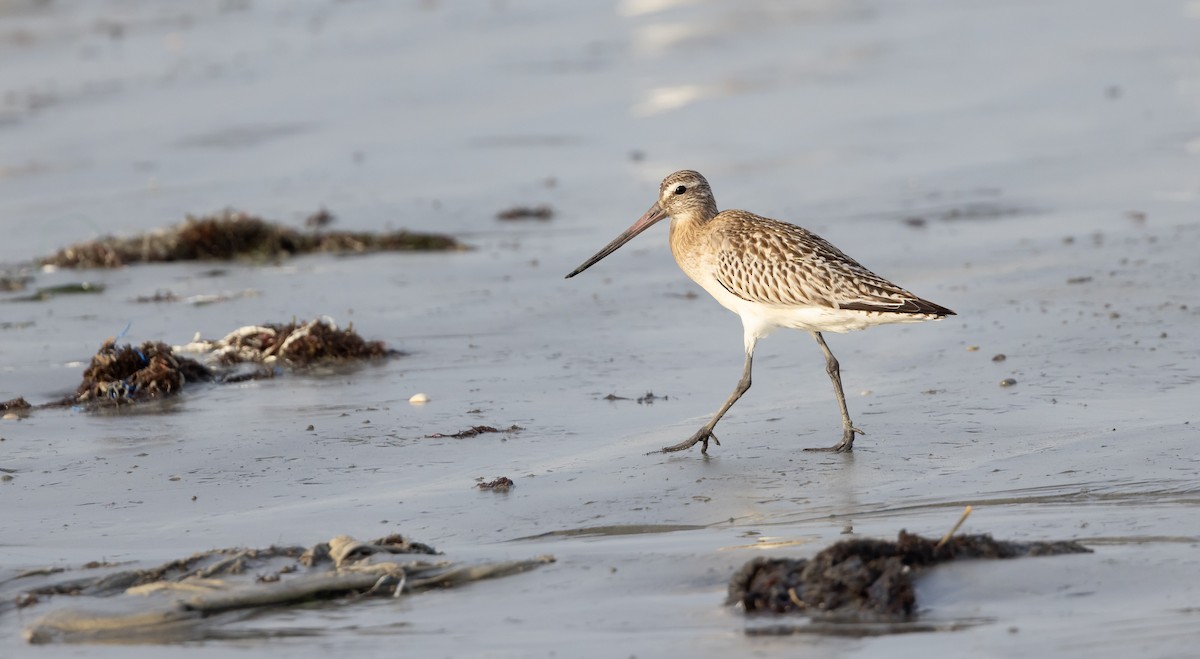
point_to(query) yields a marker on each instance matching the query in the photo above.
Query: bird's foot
(844, 446)
(701, 437)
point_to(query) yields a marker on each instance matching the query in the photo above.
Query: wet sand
(1034, 167)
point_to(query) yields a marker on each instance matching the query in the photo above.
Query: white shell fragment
(419, 399)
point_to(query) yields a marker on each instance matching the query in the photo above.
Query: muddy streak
(631, 529)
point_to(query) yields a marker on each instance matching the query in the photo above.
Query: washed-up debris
(1008, 382)
(11, 283)
(294, 344)
(191, 598)
(15, 404)
(866, 580)
(469, 432)
(502, 484)
(158, 297)
(236, 235)
(419, 399)
(14, 410)
(127, 374)
(474, 431)
(120, 375)
(43, 294)
(321, 218)
(647, 398)
(344, 549)
(542, 212)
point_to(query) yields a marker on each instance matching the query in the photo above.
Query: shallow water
(1041, 144)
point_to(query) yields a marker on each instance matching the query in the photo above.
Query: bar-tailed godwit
(772, 274)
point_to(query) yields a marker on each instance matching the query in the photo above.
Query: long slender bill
(653, 215)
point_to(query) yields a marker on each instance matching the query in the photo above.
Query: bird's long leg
(706, 433)
(835, 374)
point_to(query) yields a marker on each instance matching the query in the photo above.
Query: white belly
(761, 320)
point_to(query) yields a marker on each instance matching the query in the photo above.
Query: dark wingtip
(925, 306)
(915, 306)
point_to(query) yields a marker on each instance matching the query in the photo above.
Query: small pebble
(999, 358)
(1007, 382)
(310, 428)
(972, 348)
(419, 399)
(10, 417)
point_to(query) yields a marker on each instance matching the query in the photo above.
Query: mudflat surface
(1033, 166)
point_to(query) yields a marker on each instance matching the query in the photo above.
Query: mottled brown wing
(771, 262)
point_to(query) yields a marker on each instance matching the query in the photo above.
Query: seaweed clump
(231, 235)
(119, 375)
(126, 374)
(474, 431)
(542, 213)
(866, 579)
(502, 484)
(16, 404)
(295, 344)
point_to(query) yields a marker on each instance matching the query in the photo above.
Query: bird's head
(684, 195)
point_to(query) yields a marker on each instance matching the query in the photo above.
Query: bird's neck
(686, 231)
(696, 217)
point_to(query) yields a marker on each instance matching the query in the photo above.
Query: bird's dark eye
(680, 190)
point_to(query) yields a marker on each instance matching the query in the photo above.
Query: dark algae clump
(14, 404)
(236, 235)
(866, 580)
(543, 213)
(126, 374)
(295, 344)
(474, 431)
(120, 375)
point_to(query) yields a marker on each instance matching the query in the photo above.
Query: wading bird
(772, 274)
